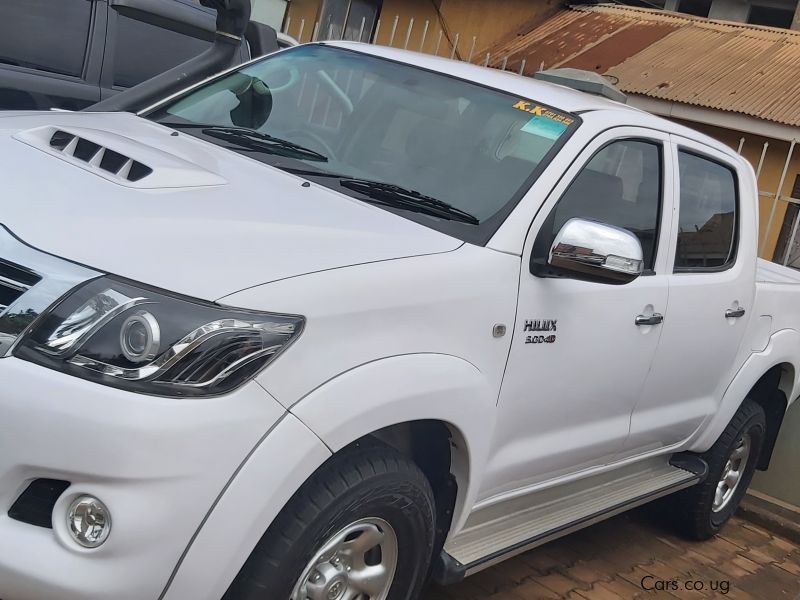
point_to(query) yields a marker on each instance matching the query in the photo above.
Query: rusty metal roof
(722, 65)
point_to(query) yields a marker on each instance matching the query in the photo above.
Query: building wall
(487, 22)
(305, 12)
(270, 12)
(730, 10)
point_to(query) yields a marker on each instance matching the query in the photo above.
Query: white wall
(269, 11)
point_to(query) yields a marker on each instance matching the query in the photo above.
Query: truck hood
(173, 211)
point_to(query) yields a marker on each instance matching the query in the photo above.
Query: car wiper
(249, 139)
(389, 194)
(396, 196)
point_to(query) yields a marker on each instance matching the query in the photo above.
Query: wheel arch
(401, 400)
(770, 379)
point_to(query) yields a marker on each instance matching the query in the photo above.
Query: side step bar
(503, 530)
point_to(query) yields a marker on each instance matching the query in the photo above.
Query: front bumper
(158, 464)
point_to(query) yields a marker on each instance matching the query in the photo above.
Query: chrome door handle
(734, 313)
(654, 319)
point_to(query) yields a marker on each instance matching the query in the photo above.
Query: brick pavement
(613, 560)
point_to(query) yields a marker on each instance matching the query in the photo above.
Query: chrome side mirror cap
(597, 252)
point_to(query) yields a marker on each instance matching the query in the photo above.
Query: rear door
(51, 52)
(711, 292)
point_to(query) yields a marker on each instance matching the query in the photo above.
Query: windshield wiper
(395, 196)
(249, 139)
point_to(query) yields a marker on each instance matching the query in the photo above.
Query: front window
(450, 154)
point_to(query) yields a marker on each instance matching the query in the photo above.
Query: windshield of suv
(448, 153)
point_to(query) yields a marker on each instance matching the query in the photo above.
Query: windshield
(448, 153)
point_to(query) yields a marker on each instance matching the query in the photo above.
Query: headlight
(145, 340)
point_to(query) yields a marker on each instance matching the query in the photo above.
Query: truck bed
(777, 296)
(769, 272)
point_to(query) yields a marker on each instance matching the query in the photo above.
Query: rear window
(47, 35)
(707, 215)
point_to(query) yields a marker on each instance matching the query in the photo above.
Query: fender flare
(405, 388)
(286, 456)
(783, 347)
(351, 405)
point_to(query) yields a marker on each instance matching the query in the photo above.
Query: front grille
(14, 281)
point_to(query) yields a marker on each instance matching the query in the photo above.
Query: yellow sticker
(541, 111)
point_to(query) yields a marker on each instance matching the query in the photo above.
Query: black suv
(69, 54)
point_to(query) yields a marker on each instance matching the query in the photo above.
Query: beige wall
(405, 10)
(300, 10)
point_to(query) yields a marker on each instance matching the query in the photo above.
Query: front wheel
(362, 528)
(702, 510)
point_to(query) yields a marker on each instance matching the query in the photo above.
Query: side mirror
(597, 252)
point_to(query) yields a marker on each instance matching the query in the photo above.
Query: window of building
(348, 19)
(700, 8)
(771, 16)
(143, 51)
(707, 219)
(28, 38)
(621, 186)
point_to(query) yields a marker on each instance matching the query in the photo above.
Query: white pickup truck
(348, 316)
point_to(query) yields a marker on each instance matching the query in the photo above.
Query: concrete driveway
(635, 556)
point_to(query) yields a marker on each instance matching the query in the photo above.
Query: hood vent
(97, 156)
(137, 161)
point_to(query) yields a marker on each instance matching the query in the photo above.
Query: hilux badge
(540, 325)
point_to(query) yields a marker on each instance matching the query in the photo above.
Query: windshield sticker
(545, 122)
(544, 127)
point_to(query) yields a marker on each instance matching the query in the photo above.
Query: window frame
(734, 252)
(544, 270)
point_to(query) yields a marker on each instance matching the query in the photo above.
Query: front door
(711, 292)
(578, 360)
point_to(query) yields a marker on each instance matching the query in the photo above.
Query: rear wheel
(702, 510)
(361, 528)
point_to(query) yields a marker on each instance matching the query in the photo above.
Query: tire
(364, 488)
(699, 511)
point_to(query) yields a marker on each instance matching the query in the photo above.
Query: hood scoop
(118, 158)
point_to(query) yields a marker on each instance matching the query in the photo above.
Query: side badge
(540, 325)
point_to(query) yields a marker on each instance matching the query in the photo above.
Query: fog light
(89, 521)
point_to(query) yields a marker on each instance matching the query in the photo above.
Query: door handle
(654, 319)
(734, 313)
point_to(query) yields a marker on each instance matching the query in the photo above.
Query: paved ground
(621, 557)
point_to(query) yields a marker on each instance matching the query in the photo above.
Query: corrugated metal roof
(715, 64)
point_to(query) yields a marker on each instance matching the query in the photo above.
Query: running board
(503, 530)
